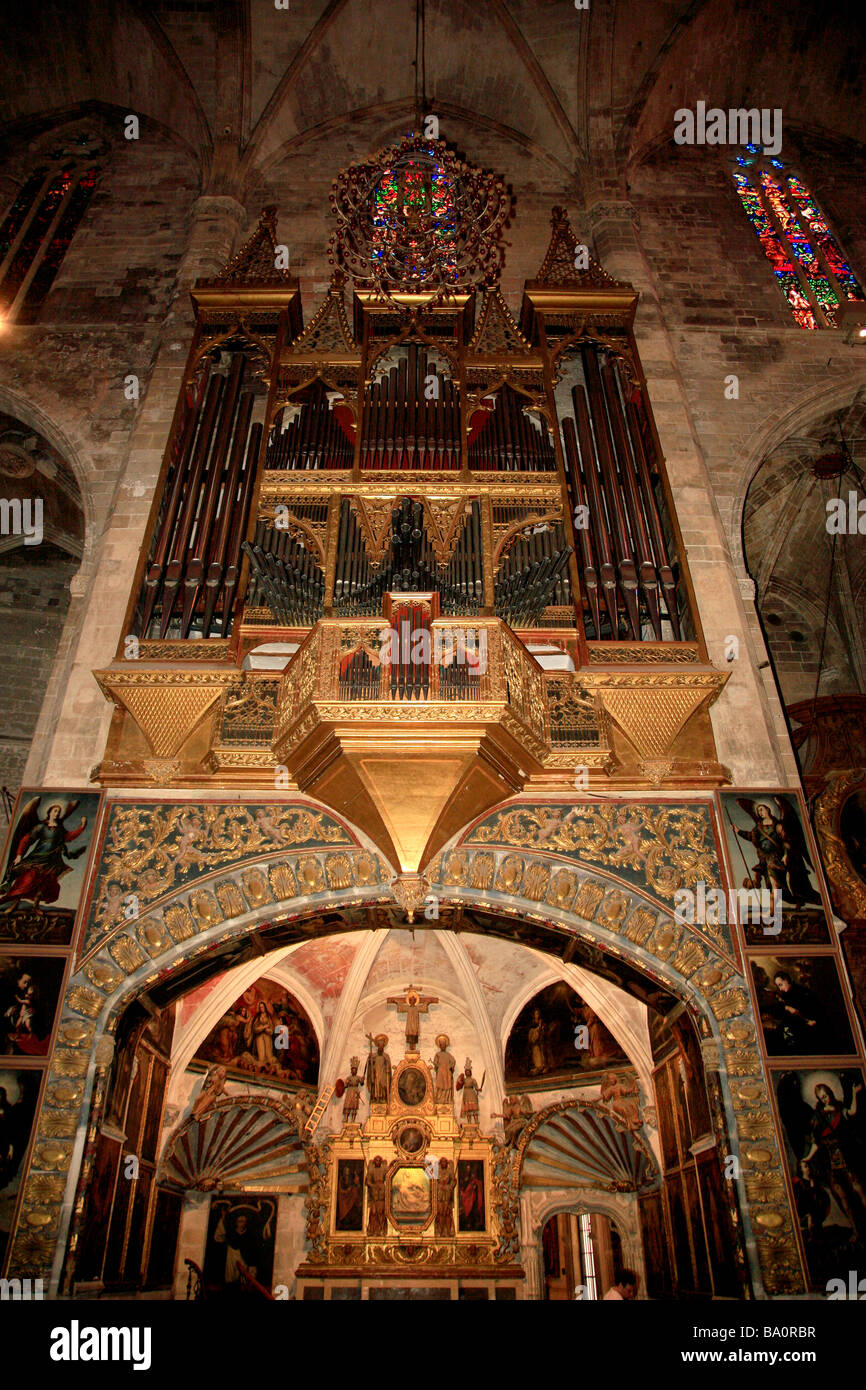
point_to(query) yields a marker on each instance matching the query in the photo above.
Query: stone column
(530, 1250)
(748, 721)
(73, 723)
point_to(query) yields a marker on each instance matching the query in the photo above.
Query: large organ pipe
(238, 530)
(177, 538)
(219, 548)
(612, 492)
(646, 569)
(411, 417)
(195, 565)
(662, 557)
(508, 441)
(411, 565)
(597, 515)
(165, 525)
(584, 535)
(313, 439)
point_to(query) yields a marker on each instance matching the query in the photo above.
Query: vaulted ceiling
(240, 83)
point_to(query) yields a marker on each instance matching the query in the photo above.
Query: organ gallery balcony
(412, 725)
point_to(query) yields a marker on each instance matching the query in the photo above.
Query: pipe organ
(597, 557)
(436, 459)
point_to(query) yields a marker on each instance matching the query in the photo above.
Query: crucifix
(413, 1005)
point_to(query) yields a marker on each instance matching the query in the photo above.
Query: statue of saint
(413, 1005)
(377, 1223)
(445, 1185)
(351, 1091)
(443, 1072)
(377, 1072)
(471, 1091)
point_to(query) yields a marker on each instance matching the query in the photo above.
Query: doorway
(581, 1252)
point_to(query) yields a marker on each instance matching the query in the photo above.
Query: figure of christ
(377, 1070)
(443, 1072)
(445, 1185)
(413, 1005)
(377, 1224)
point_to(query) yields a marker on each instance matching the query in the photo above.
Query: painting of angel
(769, 852)
(43, 869)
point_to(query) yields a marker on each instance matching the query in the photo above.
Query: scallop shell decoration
(237, 1144)
(582, 1148)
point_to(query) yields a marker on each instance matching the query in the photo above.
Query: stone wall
(34, 598)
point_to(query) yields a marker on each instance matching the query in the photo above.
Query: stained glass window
(807, 261)
(35, 235)
(414, 215)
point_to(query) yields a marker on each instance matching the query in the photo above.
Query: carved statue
(414, 1005)
(445, 1185)
(471, 1091)
(303, 1108)
(377, 1071)
(350, 1089)
(620, 1094)
(212, 1088)
(374, 1181)
(443, 1072)
(516, 1112)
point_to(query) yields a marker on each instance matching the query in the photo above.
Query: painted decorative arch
(217, 903)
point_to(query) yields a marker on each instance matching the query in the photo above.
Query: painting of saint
(556, 1036)
(470, 1195)
(42, 871)
(802, 1007)
(266, 1034)
(769, 851)
(823, 1116)
(239, 1253)
(29, 989)
(19, 1092)
(349, 1210)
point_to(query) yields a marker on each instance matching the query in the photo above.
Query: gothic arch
(811, 407)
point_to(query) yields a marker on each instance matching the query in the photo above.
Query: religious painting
(556, 1036)
(29, 990)
(802, 1006)
(852, 829)
(19, 1093)
(823, 1119)
(239, 1252)
(412, 1139)
(470, 1195)
(43, 867)
(349, 1198)
(769, 851)
(412, 1086)
(264, 1035)
(410, 1196)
